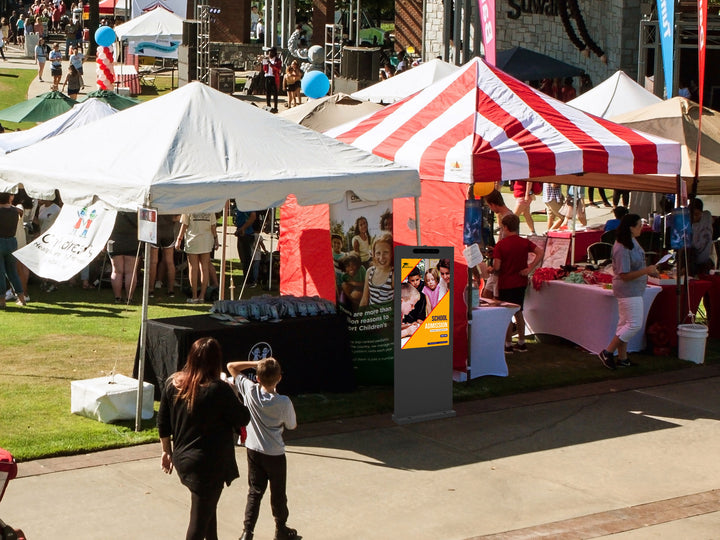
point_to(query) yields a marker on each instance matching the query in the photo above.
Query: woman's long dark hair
(203, 365)
(624, 234)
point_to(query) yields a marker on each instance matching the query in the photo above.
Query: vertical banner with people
(666, 18)
(425, 304)
(362, 251)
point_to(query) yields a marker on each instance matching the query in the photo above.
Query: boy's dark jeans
(261, 469)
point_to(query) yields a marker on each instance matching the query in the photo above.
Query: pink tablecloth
(583, 239)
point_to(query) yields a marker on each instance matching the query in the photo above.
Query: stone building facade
(612, 24)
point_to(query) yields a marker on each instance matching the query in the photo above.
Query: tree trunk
(92, 24)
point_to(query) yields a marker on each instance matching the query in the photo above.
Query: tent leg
(417, 220)
(572, 236)
(223, 257)
(272, 233)
(143, 338)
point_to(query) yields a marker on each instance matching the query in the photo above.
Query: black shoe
(518, 347)
(606, 359)
(624, 363)
(247, 536)
(285, 533)
(509, 349)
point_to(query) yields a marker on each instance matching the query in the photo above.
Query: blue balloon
(315, 84)
(105, 36)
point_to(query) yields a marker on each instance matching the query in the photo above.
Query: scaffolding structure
(203, 42)
(333, 52)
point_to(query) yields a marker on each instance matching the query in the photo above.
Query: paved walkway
(629, 459)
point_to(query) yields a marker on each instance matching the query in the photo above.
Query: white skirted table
(587, 315)
(487, 345)
(110, 398)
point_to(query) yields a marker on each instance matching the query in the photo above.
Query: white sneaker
(10, 295)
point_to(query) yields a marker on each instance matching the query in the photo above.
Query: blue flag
(666, 27)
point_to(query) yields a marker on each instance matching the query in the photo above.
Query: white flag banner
(78, 235)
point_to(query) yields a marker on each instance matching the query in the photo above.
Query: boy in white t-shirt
(270, 414)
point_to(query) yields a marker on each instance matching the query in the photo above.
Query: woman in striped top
(379, 279)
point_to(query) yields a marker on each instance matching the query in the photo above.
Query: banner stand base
(403, 420)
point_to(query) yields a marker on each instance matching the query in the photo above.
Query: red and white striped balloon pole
(105, 71)
(105, 37)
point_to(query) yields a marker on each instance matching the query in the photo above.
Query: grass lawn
(72, 334)
(14, 84)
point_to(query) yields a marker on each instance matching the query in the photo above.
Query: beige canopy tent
(329, 111)
(677, 119)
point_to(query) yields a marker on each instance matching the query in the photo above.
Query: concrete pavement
(631, 459)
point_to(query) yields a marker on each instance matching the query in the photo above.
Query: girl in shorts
(74, 82)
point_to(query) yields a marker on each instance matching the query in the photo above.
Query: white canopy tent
(616, 95)
(193, 149)
(406, 83)
(155, 33)
(83, 113)
(157, 22)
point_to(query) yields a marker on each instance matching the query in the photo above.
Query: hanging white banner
(78, 235)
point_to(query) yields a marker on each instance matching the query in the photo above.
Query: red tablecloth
(713, 307)
(664, 309)
(583, 239)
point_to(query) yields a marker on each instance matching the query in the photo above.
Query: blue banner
(666, 27)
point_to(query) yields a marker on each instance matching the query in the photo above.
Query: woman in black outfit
(601, 191)
(199, 414)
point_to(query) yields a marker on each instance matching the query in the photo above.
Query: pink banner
(702, 27)
(487, 19)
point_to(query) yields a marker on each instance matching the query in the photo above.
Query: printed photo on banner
(362, 251)
(425, 302)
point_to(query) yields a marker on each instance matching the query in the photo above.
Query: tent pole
(572, 236)
(223, 257)
(272, 233)
(143, 339)
(469, 305)
(417, 220)
(678, 287)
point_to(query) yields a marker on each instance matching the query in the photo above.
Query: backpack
(8, 470)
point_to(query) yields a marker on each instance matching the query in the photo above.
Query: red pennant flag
(702, 27)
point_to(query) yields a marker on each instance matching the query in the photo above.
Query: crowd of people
(23, 219)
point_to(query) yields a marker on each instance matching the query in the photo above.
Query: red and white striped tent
(480, 124)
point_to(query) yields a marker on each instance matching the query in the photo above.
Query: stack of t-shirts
(273, 308)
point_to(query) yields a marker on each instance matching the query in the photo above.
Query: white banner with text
(78, 235)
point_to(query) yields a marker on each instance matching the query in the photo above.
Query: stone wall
(612, 24)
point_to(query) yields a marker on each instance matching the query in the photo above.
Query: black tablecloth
(314, 352)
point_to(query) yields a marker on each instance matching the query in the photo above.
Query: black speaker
(360, 63)
(187, 64)
(189, 33)
(222, 79)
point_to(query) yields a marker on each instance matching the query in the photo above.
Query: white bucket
(691, 342)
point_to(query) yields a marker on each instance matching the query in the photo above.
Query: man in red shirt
(510, 263)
